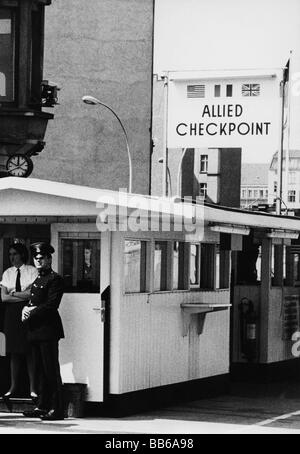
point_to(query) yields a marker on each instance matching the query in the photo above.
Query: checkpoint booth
(135, 316)
(148, 305)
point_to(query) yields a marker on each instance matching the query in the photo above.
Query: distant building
(254, 184)
(214, 173)
(292, 198)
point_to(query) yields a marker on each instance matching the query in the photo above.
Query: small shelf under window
(201, 309)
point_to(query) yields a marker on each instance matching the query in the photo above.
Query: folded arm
(8, 298)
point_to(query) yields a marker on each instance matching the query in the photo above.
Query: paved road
(248, 410)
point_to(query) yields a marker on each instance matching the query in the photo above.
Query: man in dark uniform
(44, 331)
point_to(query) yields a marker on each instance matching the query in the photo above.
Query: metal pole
(165, 141)
(280, 153)
(288, 127)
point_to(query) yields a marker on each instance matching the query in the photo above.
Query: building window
(196, 91)
(203, 189)
(217, 91)
(249, 194)
(229, 91)
(195, 264)
(7, 55)
(207, 268)
(180, 268)
(244, 194)
(291, 196)
(135, 264)
(250, 89)
(255, 194)
(292, 177)
(81, 265)
(267, 193)
(161, 266)
(203, 163)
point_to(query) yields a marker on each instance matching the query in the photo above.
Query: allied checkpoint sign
(224, 109)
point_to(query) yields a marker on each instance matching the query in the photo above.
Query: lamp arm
(127, 142)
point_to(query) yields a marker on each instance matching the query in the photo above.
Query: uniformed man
(44, 332)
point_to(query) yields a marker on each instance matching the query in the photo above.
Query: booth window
(292, 265)
(135, 264)
(7, 55)
(208, 264)
(180, 266)
(222, 268)
(194, 265)
(161, 266)
(81, 265)
(249, 262)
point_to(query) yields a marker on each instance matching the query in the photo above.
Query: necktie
(18, 281)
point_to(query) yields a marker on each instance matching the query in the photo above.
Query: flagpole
(165, 137)
(288, 126)
(280, 151)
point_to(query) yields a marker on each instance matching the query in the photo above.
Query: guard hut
(146, 311)
(265, 298)
(162, 333)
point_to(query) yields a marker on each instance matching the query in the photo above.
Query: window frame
(195, 286)
(205, 190)
(72, 235)
(203, 161)
(147, 266)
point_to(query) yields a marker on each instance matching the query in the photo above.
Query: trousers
(46, 364)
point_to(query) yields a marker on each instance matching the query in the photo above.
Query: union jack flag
(251, 89)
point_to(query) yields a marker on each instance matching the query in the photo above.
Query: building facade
(290, 191)
(103, 49)
(254, 185)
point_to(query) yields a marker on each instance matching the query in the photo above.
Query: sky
(231, 34)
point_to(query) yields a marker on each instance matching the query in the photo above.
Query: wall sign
(224, 112)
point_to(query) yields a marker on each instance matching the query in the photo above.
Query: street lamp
(161, 161)
(90, 100)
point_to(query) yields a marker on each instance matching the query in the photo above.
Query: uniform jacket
(44, 322)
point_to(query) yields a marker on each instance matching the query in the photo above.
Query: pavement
(248, 409)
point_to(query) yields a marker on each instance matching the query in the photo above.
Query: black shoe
(36, 413)
(52, 415)
(8, 395)
(34, 397)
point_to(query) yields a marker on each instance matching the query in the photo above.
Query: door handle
(101, 310)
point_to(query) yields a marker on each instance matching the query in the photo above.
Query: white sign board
(224, 112)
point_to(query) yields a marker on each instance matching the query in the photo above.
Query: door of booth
(79, 259)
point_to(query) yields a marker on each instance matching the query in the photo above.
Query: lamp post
(90, 100)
